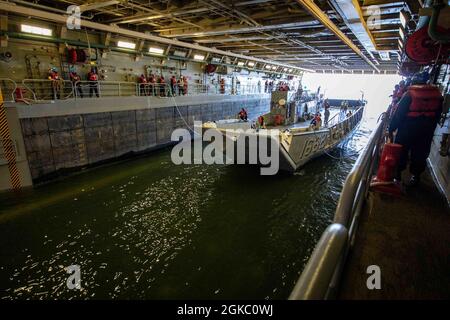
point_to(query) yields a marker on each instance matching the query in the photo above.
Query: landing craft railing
(321, 275)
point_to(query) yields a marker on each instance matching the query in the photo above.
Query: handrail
(44, 89)
(13, 90)
(321, 274)
(48, 88)
(319, 271)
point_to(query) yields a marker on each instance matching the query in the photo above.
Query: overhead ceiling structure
(319, 35)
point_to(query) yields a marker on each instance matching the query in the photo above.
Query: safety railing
(43, 89)
(34, 90)
(321, 275)
(84, 89)
(340, 116)
(8, 88)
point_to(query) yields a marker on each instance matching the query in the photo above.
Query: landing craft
(299, 139)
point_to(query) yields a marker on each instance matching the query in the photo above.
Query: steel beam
(316, 12)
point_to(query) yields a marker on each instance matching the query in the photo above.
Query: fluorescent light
(179, 53)
(274, 67)
(36, 30)
(290, 70)
(285, 69)
(240, 63)
(128, 45)
(156, 50)
(268, 67)
(404, 17)
(199, 57)
(402, 33)
(215, 60)
(384, 55)
(251, 64)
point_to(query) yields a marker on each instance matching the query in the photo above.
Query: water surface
(148, 229)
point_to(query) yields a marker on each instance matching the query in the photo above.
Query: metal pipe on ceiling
(59, 18)
(279, 35)
(315, 11)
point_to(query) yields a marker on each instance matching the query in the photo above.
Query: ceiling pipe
(143, 8)
(253, 28)
(143, 17)
(97, 5)
(59, 18)
(316, 12)
(433, 25)
(280, 36)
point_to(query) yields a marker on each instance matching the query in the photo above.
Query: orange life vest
(54, 75)
(92, 76)
(261, 120)
(426, 100)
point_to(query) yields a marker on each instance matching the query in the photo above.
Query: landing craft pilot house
(93, 91)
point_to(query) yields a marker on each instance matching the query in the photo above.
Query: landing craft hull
(295, 149)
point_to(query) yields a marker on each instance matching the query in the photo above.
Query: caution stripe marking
(8, 147)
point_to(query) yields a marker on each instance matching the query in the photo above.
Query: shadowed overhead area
(336, 35)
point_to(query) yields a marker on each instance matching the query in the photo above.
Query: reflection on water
(149, 229)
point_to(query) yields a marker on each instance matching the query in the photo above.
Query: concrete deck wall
(71, 134)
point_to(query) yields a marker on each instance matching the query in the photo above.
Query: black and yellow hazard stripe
(8, 147)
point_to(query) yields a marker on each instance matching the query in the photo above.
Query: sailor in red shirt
(152, 82)
(93, 82)
(415, 120)
(243, 115)
(185, 87)
(173, 85)
(142, 80)
(56, 83)
(75, 78)
(162, 86)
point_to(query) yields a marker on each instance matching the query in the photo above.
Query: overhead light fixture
(215, 60)
(402, 33)
(268, 67)
(180, 53)
(274, 67)
(290, 70)
(36, 30)
(127, 45)
(384, 55)
(156, 50)
(240, 63)
(404, 16)
(199, 57)
(251, 64)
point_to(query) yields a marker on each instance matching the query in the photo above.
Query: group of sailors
(75, 78)
(148, 86)
(269, 86)
(157, 86)
(414, 112)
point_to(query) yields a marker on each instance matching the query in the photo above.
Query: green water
(148, 229)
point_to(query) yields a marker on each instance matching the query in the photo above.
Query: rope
(181, 115)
